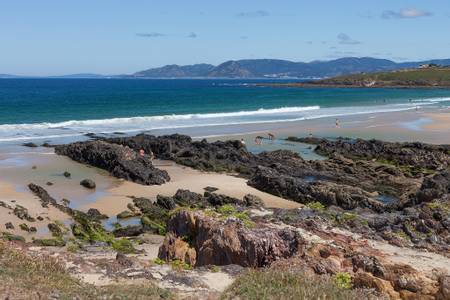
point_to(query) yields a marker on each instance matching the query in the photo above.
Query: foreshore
(20, 165)
(239, 207)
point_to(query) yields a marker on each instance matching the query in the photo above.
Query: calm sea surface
(48, 108)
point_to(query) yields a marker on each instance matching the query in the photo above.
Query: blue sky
(50, 37)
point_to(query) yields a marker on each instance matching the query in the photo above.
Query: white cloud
(345, 39)
(151, 34)
(407, 13)
(253, 14)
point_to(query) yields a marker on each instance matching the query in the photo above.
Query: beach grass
(276, 284)
(43, 277)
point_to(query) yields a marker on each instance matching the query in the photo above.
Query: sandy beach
(20, 166)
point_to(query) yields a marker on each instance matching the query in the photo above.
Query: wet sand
(184, 178)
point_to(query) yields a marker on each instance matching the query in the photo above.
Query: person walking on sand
(338, 123)
(151, 156)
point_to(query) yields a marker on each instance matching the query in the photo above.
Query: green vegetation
(25, 277)
(57, 242)
(92, 231)
(215, 269)
(180, 265)
(275, 284)
(229, 211)
(401, 235)
(123, 246)
(316, 206)
(11, 237)
(343, 280)
(160, 228)
(159, 261)
(428, 77)
(407, 169)
(444, 207)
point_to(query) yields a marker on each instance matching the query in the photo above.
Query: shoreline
(112, 195)
(329, 232)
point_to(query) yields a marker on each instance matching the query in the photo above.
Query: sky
(54, 37)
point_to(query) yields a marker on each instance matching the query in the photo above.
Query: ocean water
(50, 108)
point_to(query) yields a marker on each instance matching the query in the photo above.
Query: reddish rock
(224, 243)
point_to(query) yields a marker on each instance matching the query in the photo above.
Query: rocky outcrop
(230, 242)
(417, 155)
(120, 161)
(231, 156)
(303, 191)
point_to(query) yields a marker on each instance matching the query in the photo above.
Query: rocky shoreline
(395, 194)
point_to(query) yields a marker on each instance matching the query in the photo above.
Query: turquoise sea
(47, 108)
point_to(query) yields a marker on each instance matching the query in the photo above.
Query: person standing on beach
(338, 123)
(271, 136)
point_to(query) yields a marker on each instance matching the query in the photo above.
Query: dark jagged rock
(188, 199)
(219, 243)
(31, 145)
(95, 214)
(55, 230)
(219, 199)
(88, 183)
(22, 213)
(253, 201)
(218, 156)
(126, 214)
(434, 187)
(210, 189)
(165, 202)
(328, 193)
(419, 155)
(9, 225)
(132, 230)
(67, 174)
(120, 161)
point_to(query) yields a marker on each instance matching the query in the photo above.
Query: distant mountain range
(275, 68)
(267, 68)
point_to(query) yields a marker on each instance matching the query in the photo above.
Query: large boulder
(230, 242)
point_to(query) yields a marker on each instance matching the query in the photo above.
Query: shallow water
(386, 199)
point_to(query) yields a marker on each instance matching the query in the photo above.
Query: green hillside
(426, 77)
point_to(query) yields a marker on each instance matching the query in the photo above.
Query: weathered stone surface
(226, 243)
(131, 230)
(174, 248)
(125, 214)
(95, 214)
(415, 154)
(88, 183)
(120, 161)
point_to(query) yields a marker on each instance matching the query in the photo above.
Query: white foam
(74, 128)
